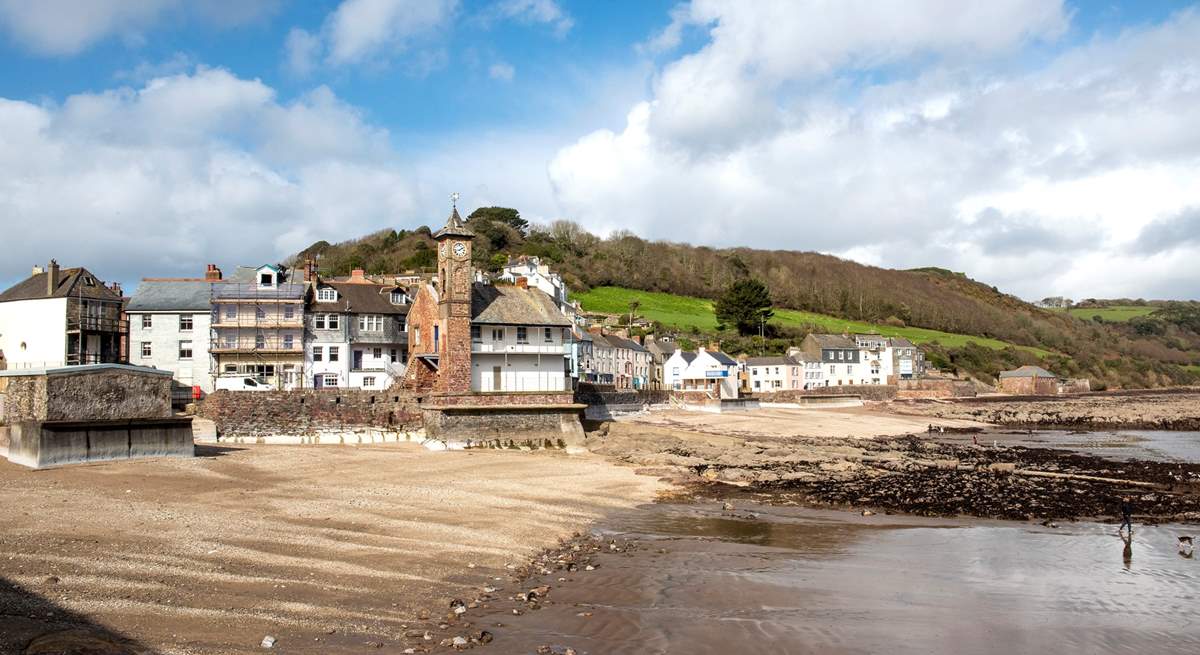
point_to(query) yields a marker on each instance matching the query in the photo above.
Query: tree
(746, 305)
(504, 215)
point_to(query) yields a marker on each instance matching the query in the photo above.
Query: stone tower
(455, 277)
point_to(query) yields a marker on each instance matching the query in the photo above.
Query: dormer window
(265, 279)
(326, 294)
(398, 298)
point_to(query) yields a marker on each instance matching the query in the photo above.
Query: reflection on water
(1155, 445)
(828, 582)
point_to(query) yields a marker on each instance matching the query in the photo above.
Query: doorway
(496, 378)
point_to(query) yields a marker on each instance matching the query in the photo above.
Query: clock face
(460, 249)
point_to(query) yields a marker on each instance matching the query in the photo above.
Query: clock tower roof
(455, 227)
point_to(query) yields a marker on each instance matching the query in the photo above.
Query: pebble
(268, 642)
(867, 512)
(459, 642)
(484, 637)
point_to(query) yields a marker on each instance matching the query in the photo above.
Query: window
(522, 335)
(146, 351)
(369, 381)
(287, 341)
(416, 336)
(316, 353)
(326, 294)
(230, 311)
(260, 341)
(398, 298)
(377, 353)
(289, 311)
(185, 350)
(264, 279)
(185, 322)
(392, 355)
(832, 370)
(147, 321)
(333, 353)
(329, 380)
(230, 341)
(849, 369)
(841, 355)
(476, 334)
(497, 334)
(549, 335)
(370, 323)
(231, 368)
(326, 321)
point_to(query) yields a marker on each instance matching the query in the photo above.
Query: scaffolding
(257, 331)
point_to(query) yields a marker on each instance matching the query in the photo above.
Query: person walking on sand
(1126, 514)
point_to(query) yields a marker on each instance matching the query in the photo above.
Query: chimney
(52, 277)
(358, 276)
(212, 273)
(523, 282)
(310, 269)
(116, 288)
(714, 347)
(38, 270)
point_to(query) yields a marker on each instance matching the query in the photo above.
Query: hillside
(811, 291)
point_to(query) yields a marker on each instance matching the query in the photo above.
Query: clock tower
(453, 328)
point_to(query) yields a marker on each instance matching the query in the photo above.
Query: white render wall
(518, 372)
(41, 324)
(340, 368)
(164, 336)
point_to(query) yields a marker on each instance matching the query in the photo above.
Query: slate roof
(687, 356)
(834, 341)
(505, 305)
(171, 295)
(455, 226)
(361, 298)
(244, 284)
(600, 340)
(72, 282)
(722, 357)
(1028, 372)
(622, 342)
(900, 342)
(769, 361)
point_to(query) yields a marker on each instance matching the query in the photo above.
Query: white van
(238, 383)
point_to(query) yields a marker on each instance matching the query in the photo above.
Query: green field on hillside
(696, 313)
(1112, 314)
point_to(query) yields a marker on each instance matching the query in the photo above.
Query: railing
(520, 348)
(97, 323)
(76, 359)
(269, 345)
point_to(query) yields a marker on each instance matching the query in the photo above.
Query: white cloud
(189, 169)
(501, 71)
(1028, 180)
(67, 27)
(301, 51)
(547, 12)
(372, 32)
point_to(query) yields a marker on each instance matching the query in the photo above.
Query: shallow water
(1154, 445)
(811, 581)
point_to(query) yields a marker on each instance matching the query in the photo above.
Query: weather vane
(454, 200)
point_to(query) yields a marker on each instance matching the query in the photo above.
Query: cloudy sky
(1042, 147)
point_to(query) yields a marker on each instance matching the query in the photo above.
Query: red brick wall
(423, 314)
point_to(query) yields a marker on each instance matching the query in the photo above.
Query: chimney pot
(523, 282)
(212, 273)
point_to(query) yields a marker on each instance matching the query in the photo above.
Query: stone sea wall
(312, 415)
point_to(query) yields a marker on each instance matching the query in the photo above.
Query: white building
(537, 276)
(519, 340)
(704, 370)
(355, 334)
(169, 329)
(61, 317)
(765, 374)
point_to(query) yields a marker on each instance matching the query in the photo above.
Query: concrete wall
(41, 445)
(164, 337)
(86, 393)
(311, 416)
(535, 427)
(39, 324)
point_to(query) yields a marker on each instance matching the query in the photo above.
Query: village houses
(170, 328)
(258, 328)
(710, 371)
(61, 317)
(356, 333)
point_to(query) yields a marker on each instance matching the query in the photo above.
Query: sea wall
(312, 416)
(935, 388)
(878, 392)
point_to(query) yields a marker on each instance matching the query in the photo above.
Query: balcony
(503, 348)
(96, 324)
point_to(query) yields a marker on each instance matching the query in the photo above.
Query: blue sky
(1029, 143)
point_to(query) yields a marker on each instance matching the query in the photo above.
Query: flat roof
(82, 368)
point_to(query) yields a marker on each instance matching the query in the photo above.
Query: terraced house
(355, 333)
(61, 317)
(258, 327)
(170, 329)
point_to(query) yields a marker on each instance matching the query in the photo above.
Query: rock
(484, 637)
(459, 642)
(461, 609)
(457, 603)
(589, 567)
(268, 642)
(423, 615)
(867, 512)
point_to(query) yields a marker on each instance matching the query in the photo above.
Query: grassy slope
(684, 312)
(1112, 314)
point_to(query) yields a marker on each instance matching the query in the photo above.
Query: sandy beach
(327, 549)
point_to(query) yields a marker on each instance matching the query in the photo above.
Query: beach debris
(268, 642)
(867, 512)
(1185, 546)
(458, 606)
(460, 642)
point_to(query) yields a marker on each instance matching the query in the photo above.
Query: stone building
(1028, 381)
(466, 336)
(61, 317)
(169, 328)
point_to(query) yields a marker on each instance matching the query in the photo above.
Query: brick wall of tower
(454, 367)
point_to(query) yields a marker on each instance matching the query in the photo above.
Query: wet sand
(328, 549)
(700, 580)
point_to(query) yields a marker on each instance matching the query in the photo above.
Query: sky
(1044, 147)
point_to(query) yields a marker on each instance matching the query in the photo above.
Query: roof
(722, 357)
(244, 284)
(833, 341)
(687, 355)
(769, 361)
(171, 295)
(72, 282)
(900, 342)
(363, 298)
(507, 305)
(455, 227)
(246, 274)
(622, 342)
(1028, 372)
